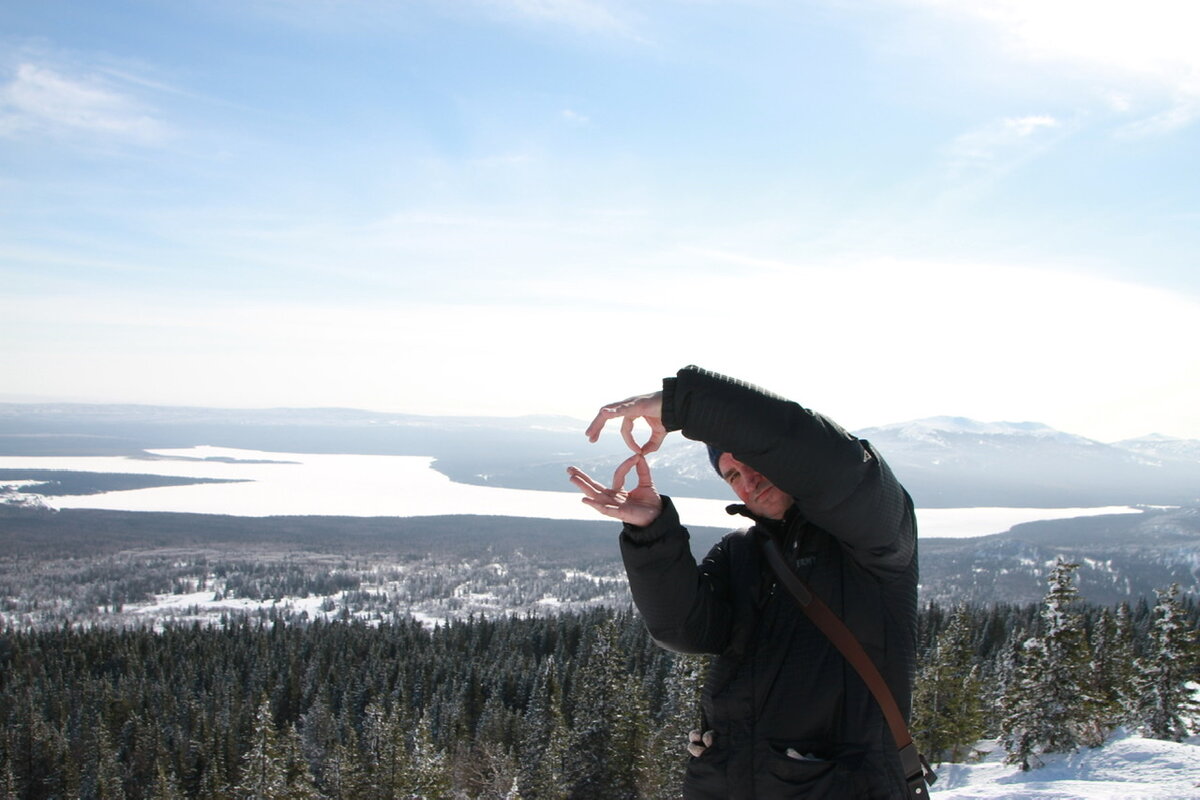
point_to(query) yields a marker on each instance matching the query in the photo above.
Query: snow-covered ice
(286, 484)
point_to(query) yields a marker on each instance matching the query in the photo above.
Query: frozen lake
(284, 484)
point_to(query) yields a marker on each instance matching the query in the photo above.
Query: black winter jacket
(779, 688)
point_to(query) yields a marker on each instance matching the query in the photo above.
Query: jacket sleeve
(685, 605)
(838, 482)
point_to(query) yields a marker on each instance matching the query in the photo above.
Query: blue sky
(886, 209)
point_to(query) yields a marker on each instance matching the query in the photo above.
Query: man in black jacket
(785, 716)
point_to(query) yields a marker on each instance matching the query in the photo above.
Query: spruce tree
(107, 784)
(343, 778)
(947, 699)
(544, 741)
(1112, 671)
(486, 766)
(262, 775)
(429, 774)
(318, 737)
(382, 756)
(1049, 703)
(1166, 706)
(608, 728)
(1021, 711)
(666, 746)
(8, 782)
(297, 774)
(166, 787)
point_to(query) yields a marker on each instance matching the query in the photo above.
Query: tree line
(1054, 677)
(578, 705)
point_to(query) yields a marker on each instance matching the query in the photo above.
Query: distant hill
(956, 462)
(1122, 557)
(944, 462)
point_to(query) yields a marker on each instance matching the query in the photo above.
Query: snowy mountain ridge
(935, 428)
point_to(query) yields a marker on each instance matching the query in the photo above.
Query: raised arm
(838, 481)
(686, 606)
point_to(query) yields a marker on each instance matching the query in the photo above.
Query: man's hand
(698, 743)
(639, 506)
(646, 406)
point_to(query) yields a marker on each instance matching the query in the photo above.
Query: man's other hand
(645, 406)
(698, 743)
(640, 506)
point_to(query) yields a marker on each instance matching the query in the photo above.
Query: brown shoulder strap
(916, 769)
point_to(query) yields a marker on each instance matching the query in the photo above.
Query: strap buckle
(917, 772)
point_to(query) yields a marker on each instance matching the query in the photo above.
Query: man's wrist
(668, 404)
(660, 526)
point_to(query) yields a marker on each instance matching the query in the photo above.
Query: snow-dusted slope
(1163, 448)
(953, 461)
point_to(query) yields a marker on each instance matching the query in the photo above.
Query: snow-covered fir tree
(343, 779)
(166, 787)
(667, 742)
(1050, 704)
(429, 775)
(262, 775)
(609, 724)
(484, 764)
(383, 749)
(1166, 708)
(545, 737)
(296, 769)
(107, 784)
(1022, 720)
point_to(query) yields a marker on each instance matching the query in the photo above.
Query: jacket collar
(776, 528)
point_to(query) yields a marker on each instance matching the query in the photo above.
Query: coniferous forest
(183, 656)
(578, 705)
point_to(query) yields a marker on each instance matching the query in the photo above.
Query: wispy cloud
(1002, 145)
(575, 118)
(583, 15)
(1148, 49)
(44, 101)
(1182, 113)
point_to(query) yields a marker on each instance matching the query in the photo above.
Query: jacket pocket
(797, 769)
(705, 778)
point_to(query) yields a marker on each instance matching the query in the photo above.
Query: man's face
(753, 489)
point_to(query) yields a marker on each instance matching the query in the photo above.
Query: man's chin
(772, 504)
(768, 508)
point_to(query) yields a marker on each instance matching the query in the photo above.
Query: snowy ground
(1128, 767)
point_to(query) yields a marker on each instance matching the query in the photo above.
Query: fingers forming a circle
(618, 483)
(627, 435)
(658, 432)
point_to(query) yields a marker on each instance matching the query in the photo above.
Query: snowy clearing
(1128, 767)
